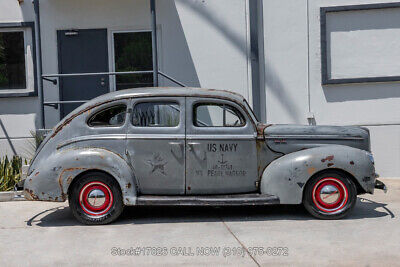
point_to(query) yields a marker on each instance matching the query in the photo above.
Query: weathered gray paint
(73, 148)
(287, 176)
(220, 160)
(157, 154)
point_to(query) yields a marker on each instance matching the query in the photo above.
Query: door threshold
(208, 200)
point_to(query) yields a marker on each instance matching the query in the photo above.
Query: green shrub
(10, 172)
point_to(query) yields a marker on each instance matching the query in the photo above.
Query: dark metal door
(82, 51)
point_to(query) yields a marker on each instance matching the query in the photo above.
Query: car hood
(291, 138)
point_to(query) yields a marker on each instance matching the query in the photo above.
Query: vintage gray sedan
(188, 146)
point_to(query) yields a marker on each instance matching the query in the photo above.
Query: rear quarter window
(109, 117)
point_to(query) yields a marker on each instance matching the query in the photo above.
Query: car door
(221, 153)
(155, 144)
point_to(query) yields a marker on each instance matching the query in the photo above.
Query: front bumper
(380, 185)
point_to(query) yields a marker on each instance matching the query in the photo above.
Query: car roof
(166, 91)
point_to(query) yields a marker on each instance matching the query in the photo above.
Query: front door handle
(191, 148)
(192, 145)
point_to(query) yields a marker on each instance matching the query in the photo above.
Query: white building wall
(201, 43)
(293, 63)
(18, 115)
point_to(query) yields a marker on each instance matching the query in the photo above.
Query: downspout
(38, 44)
(255, 11)
(154, 41)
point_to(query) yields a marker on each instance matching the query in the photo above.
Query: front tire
(96, 198)
(330, 195)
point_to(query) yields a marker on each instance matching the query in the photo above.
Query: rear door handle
(177, 149)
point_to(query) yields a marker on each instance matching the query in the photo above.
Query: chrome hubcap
(96, 198)
(329, 194)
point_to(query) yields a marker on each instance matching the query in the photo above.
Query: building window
(133, 52)
(12, 60)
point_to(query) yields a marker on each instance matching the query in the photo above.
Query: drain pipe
(254, 17)
(38, 49)
(154, 41)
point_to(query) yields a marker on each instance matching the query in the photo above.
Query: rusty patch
(33, 196)
(260, 130)
(330, 164)
(60, 182)
(351, 162)
(69, 179)
(311, 170)
(37, 173)
(328, 158)
(128, 185)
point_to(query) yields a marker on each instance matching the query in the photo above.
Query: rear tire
(330, 196)
(96, 198)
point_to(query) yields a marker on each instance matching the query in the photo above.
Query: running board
(208, 200)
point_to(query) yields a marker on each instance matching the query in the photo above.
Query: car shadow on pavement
(62, 216)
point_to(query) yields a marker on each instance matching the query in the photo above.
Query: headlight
(371, 158)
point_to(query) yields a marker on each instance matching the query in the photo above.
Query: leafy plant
(10, 172)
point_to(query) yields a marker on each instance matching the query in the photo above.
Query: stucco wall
(201, 43)
(360, 43)
(18, 115)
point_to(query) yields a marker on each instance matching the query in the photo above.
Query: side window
(156, 114)
(217, 115)
(112, 116)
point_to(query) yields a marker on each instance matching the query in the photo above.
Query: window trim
(113, 79)
(104, 109)
(17, 27)
(195, 105)
(325, 77)
(156, 127)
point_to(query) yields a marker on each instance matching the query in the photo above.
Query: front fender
(287, 176)
(53, 176)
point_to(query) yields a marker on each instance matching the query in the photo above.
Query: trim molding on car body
(221, 137)
(93, 137)
(156, 136)
(312, 137)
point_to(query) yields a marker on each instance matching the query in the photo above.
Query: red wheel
(95, 198)
(330, 195)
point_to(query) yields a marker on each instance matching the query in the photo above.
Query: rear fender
(56, 174)
(286, 177)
